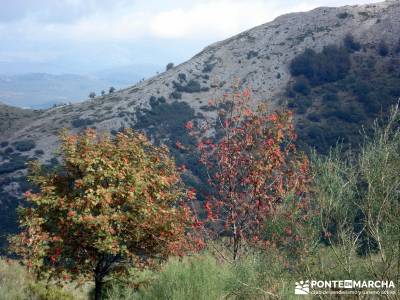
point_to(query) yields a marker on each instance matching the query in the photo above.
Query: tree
(111, 90)
(113, 202)
(92, 95)
(253, 169)
(103, 92)
(383, 49)
(169, 66)
(351, 44)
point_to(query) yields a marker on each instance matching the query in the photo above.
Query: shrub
(330, 65)
(330, 97)
(162, 99)
(302, 86)
(351, 44)
(17, 284)
(252, 54)
(92, 95)
(24, 145)
(39, 152)
(208, 67)
(383, 49)
(190, 278)
(111, 90)
(182, 77)
(343, 15)
(78, 123)
(17, 162)
(8, 150)
(153, 101)
(176, 95)
(192, 86)
(314, 117)
(169, 66)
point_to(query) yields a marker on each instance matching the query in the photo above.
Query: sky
(86, 36)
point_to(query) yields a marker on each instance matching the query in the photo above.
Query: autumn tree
(112, 203)
(253, 169)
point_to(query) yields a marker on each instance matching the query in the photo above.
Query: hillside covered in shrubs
(323, 223)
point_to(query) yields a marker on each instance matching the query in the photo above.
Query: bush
(252, 54)
(192, 86)
(330, 97)
(343, 15)
(16, 163)
(182, 77)
(383, 49)
(351, 44)
(169, 66)
(302, 86)
(39, 152)
(192, 278)
(176, 95)
(17, 284)
(24, 145)
(208, 67)
(332, 64)
(8, 150)
(78, 123)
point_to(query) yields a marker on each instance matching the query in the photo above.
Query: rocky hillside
(260, 58)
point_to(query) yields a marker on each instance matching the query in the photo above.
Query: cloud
(95, 31)
(97, 21)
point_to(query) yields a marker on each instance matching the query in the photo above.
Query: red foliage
(253, 167)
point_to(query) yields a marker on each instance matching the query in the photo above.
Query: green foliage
(368, 89)
(192, 86)
(191, 278)
(81, 123)
(16, 162)
(17, 284)
(251, 54)
(24, 145)
(176, 95)
(351, 44)
(383, 48)
(302, 86)
(332, 64)
(344, 15)
(165, 123)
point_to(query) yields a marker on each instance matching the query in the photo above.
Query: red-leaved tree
(253, 170)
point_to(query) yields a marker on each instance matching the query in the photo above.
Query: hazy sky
(84, 36)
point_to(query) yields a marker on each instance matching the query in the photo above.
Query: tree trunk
(98, 282)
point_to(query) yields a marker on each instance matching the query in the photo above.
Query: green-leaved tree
(111, 203)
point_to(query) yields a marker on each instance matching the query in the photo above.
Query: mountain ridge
(259, 57)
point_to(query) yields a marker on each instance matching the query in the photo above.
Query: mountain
(43, 90)
(337, 68)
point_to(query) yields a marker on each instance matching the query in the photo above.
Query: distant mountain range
(43, 90)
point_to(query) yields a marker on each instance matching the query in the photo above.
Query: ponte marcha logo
(302, 288)
(305, 287)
